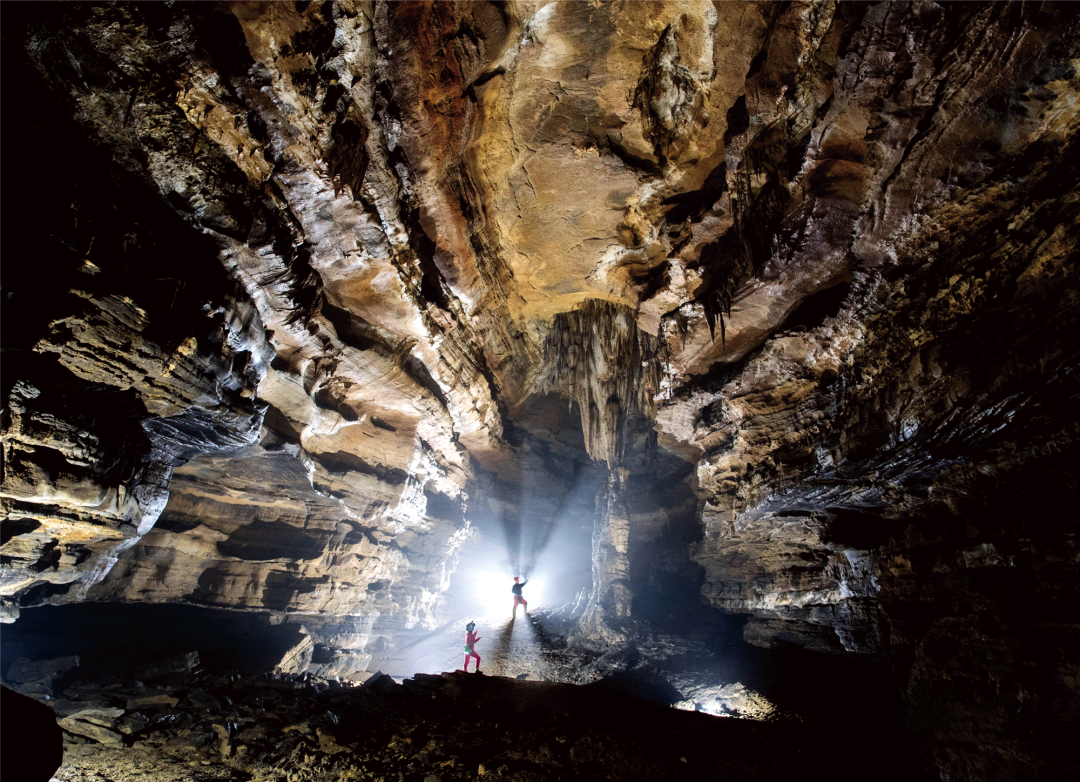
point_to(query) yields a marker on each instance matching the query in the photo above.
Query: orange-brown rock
(302, 300)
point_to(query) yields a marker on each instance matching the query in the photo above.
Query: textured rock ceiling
(776, 300)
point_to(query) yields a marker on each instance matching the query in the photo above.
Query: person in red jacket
(518, 598)
(471, 638)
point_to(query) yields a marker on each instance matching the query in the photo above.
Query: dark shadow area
(818, 307)
(645, 684)
(502, 642)
(537, 730)
(28, 725)
(77, 221)
(113, 639)
(812, 685)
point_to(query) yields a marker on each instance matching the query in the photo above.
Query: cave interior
(747, 332)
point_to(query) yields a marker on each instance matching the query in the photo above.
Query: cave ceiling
(312, 289)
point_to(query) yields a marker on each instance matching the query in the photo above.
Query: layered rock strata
(327, 272)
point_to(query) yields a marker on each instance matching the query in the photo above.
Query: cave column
(607, 615)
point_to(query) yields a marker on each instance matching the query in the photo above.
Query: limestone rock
(605, 618)
(151, 700)
(324, 282)
(298, 658)
(26, 671)
(97, 724)
(180, 664)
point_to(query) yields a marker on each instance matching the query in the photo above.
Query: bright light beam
(492, 595)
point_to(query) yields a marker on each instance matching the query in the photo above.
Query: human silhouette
(518, 599)
(471, 638)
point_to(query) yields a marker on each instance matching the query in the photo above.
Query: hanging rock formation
(299, 296)
(598, 357)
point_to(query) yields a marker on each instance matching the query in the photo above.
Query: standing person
(518, 599)
(471, 638)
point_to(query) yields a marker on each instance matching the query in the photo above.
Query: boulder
(152, 700)
(33, 744)
(102, 734)
(39, 691)
(180, 664)
(297, 658)
(65, 707)
(22, 671)
(201, 699)
(132, 723)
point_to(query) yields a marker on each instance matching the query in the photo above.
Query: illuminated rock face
(794, 285)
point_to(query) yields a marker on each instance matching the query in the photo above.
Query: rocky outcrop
(816, 437)
(84, 477)
(31, 727)
(345, 552)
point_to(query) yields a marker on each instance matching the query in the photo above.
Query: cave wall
(148, 238)
(126, 351)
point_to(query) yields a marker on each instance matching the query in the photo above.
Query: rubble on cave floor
(660, 667)
(557, 713)
(451, 726)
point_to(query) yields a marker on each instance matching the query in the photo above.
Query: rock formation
(300, 299)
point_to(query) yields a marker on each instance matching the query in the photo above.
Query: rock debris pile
(453, 726)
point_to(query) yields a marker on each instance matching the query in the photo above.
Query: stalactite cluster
(597, 357)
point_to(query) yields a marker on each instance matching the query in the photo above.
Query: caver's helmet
(470, 627)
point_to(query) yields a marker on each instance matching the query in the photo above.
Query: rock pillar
(607, 616)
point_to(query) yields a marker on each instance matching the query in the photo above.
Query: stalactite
(745, 249)
(599, 358)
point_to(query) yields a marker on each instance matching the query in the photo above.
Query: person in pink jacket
(471, 638)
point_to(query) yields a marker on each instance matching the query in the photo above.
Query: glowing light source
(491, 592)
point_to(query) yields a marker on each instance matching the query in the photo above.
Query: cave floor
(681, 671)
(542, 710)
(459, 726)
(514, 648)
